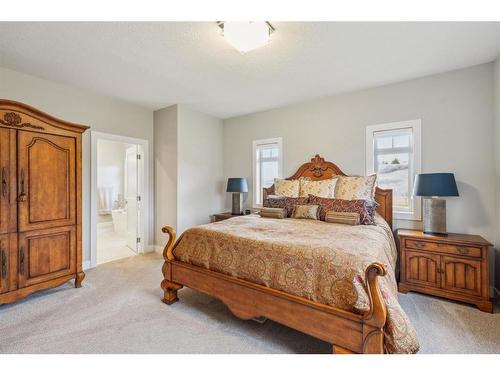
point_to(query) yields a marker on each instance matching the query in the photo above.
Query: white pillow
(350, 188)
(322, 188)
(287, 188)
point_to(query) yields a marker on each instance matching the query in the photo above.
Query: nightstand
(453, 266)
(223, 216)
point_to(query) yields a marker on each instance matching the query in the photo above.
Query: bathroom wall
(111, 162)
(110, 176)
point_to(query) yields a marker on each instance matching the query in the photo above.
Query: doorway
(117, 196)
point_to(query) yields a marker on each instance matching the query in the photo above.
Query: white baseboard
(86, 265)
(158, 249)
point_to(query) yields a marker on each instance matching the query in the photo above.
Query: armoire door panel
(46, 254)
(8, 270)
(4, 263)
(8, 205)
(47, 183)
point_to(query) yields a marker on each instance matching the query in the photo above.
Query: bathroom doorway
(117, 198)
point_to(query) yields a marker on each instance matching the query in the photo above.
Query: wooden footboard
(346, 331)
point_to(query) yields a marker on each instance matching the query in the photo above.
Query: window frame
(415, 161)
(256, 144)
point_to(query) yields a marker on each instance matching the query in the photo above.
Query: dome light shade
(246, 36)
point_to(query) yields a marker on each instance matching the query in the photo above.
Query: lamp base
(434, 216)
(237, 207)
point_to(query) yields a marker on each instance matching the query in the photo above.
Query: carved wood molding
(13, 119)
(318, 166)
(12, 114)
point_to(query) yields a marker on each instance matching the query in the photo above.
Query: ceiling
(158, 64)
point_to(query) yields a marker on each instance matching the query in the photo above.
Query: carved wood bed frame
(348, 332)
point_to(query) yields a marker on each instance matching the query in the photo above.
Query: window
(267, 165)
(393, 153)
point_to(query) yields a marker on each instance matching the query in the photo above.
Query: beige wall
(165, 145)
(200, 168)
(457, 135)
(101, 113)
(189, 168)
(497, 172)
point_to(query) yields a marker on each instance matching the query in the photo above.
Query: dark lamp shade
(435, 185)
(237, 185)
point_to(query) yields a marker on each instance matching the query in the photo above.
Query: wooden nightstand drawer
(444, 248)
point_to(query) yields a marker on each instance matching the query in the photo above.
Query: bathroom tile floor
(111, 246)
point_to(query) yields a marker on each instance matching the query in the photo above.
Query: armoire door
(8, 182)
(46, 254)
(46, 181)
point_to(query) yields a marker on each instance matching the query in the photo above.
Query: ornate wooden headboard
(319, 169)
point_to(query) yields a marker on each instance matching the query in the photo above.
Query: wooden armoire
(40, 201)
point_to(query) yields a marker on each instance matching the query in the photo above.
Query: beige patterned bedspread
(323, 262)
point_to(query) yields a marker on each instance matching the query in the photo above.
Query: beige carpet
(119, 311)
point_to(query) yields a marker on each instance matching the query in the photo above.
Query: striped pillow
(274, 213)
(348, 218)
(365, 208)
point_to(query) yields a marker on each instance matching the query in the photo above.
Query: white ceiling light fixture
(246, 36)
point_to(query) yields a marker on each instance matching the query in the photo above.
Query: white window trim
(257, 143)
(416, 125)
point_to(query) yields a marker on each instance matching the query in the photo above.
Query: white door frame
(143, 190)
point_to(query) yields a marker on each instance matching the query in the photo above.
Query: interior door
(8, 205)
(422, 268)
(131, 196)
(46, 181)
(46, 254)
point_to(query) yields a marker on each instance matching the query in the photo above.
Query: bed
(332, 281)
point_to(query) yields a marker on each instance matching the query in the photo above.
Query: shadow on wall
(481, 219)
(496, 295)
(474, 200)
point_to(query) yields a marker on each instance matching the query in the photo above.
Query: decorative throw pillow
(350, 188)
(306, 211)
(322, 188)
(287, 188)
(348, 218)
(365, 208)
(284, 202)
(275, 213)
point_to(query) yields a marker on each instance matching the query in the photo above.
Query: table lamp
(237, 186)
(433, 186)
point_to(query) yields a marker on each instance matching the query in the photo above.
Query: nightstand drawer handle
(463, 250)
(420, 245)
